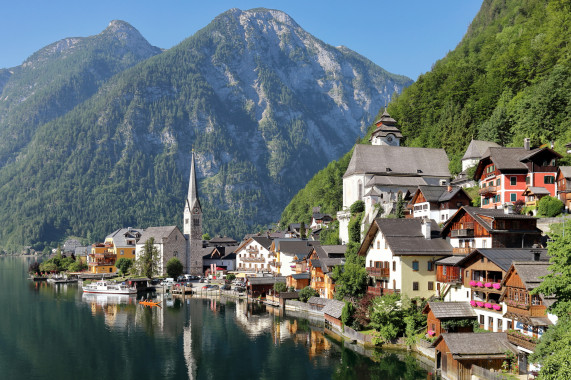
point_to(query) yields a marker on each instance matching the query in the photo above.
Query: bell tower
(193, 225)
(387, 131)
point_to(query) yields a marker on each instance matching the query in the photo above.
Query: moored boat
(108, 288)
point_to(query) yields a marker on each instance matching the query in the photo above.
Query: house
(298, 281)
(473, 154)
(287, 252)
(218, 258)
(457, 352)
(221, 241)
(82, 253)
(449, 279)
(260, 286)
(124, 242)
(400, 256)
(102, 258)
(484, 271)
(437, 202)
(526, 313)
(254, 255)
(503, 174)
(319, 220)
(378, 173)
(532, 195)
(439, 314)
(70, 245)
(321, 280)
(332, 314)
(564, 186)
(169, 242)
(473, 227)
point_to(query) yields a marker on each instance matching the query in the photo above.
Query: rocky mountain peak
(123, 31)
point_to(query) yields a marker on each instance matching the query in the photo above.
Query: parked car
(214, 287)
(226, 287)
(206, 287)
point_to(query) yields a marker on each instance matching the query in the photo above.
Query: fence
(486, 374)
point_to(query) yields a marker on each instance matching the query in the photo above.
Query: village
(415, 233)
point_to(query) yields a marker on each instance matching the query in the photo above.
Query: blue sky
(402, 36)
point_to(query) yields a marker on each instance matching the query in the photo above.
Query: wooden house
(260, 286)
(439, 313)
(564, 186)
(298, 280)
(332, 314)
(437, 202)
(457, 352)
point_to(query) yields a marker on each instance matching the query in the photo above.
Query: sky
(402, 36)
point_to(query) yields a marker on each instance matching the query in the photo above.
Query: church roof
(385, 125)
(158, 233)
(477, 148)
(398, 160)
(385, 180)
(192, 197)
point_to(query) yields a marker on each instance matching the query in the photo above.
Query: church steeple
(192, 197)
(193, 224)
(387, 132)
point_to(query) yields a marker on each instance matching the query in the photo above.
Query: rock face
(263, 103)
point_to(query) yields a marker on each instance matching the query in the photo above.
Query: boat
(108, 288)
(150, 303)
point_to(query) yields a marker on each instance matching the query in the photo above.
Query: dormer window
(418, 171)
(388, 170)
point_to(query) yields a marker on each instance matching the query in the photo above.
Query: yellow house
(124, 241)
(102, 258)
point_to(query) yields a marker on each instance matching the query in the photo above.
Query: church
(379, 172)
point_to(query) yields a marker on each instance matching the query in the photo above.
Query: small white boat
(108, 288)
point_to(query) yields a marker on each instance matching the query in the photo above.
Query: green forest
(509, 78)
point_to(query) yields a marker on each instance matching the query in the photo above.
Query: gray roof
(82, 251)
(394, 180)
(509, 158)
(504, 257)
(301, 276)
(447, 310)
(265, 280)
(333, 308)
(566, 171)
(334, 250)
(404, 237)
(222, 240)
(263, 241)
(121, 235)
(375, 159)
(158, 233)
(451, 260)
(331, 262)
(439, 193)
(472, 344)
(317, 301)
(531, 271)
(477, 148)
(316, 263)
(295, 247)
(493, 213)
(536, 190)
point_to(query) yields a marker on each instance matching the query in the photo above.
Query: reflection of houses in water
(252, 322)
(114, 307)
(187, 347)
(313, 340)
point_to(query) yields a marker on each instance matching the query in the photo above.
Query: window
(510, 326)
(415, 285)
(499, 324)
(430, 285)
(415, 266)
(195, 221)
(513, 181)
(491, 323)
(484, 243)
(122, 252)
(549, 179)
(430, 266)
(498, 182)
(513, 197)
(378, 244)
(481, 319)
(527, 180)
(394, 266)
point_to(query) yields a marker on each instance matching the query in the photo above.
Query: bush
(306, 293)
(549, 207)
(174, 268)
(280, 287)
(347, 314)
(355, 228)
(230, 277)
(357, 207)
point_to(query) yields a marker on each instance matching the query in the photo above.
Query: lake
(56, 332)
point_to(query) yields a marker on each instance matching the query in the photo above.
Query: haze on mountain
(96, 132)
(509, 78)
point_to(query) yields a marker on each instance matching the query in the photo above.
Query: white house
(254, 255)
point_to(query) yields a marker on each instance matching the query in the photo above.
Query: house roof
(565, 171)
(478, 214)
(330, 251)
(530, 272)
(230, 256)
(295, 247)
(333, 308)
(375, 159)
(316, 263)
(317, 216)
(536, 190)
(331, 262)
(158, 233)
(301, 276)
(222, 240)
(438, 193)
(317, 301)
(448, 310)
(451, 260)
(405, 238)
(470, 345)
(263, 241)
(265, 280)
(477, 148)
(504, 257)
(121, 235)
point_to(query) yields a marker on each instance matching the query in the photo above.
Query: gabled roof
(449, 310)
(334, 250)
(451, 260)
(265, 280)
(394, 180)
(477, 213)
(295, 246)
(333, 308)
(375, 159)
(317, 301)
(438, 194)
(477, 148)
(535, 190)
(565, 171)
(471, 345)
(222, 240)
(404, 238)
(530, 272)
(504, 257)
(318, 216)
(510, 159)
(263, 241)
(121, 235)
(158, 233)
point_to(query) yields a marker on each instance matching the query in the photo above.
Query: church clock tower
(193, 225)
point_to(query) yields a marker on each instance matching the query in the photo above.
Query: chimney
(536, 255)
(425, 224)
(509, 208)
(526, 143)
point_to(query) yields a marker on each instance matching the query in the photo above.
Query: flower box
(472, 283)
(488, 284)
(473, 303)
(430, 333)
(497, 307)
(481, 285)
(497, 286)
(480, 304)
(488, 305)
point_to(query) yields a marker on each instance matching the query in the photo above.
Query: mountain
(509, 78)
(263, 103)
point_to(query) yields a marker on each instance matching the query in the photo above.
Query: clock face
(390, 138)
(195, 210)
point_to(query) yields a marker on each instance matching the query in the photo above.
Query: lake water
(56, 332)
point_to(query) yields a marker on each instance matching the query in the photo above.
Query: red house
(504, 173)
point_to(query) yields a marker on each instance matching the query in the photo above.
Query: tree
(400, 206)
(351, 278)
(354, 228)
(302, 231)
(34, 267)
(206, 236)
(357, 207)
(230, 277)
(148, 262)
(123, 265)
(347, 314)
(280, 287)
(549, 206)
(553, 351)
(306, 293)
(387, 316)
(174, 267)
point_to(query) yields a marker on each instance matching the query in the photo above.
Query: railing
(518, 339)
(254, 259)
(374, 291)
(250, 250)
(378, 272)
(449, 278)
(462, 251)
(462, 232)
(487, 190)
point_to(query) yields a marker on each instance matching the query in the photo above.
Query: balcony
(486, 305)
(518, 339)
(462, 251)
(378, 272)
(488, 190)
(521, 305)
(452, 278)
(487, 286)
(252, 251)
(374, 291)
(462, 233)
(253, 259)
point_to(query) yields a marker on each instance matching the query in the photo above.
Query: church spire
(192, 197)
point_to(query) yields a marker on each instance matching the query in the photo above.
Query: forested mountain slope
(509, 78)
(263, 103)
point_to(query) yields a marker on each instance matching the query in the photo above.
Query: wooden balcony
(462, 251)
(378, 272)
(449, 278)
(462, 233)
(487, 190)
(253, 259)
(519, 339)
